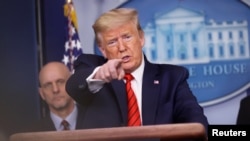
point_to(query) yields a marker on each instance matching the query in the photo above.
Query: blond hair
(115, 18)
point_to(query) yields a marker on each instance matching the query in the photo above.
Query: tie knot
(65, 125)
(128, 77)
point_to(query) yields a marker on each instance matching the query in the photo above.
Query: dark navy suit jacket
(46, 123)
(244, 110)
(166, 97)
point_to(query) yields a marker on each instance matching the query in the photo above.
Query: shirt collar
(71, 118)
(138, 73)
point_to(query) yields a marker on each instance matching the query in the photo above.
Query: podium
(164, 132)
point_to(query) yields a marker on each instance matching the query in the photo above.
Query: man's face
(123, 42)
(52, 89)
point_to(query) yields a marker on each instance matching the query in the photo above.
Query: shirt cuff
(94, 84)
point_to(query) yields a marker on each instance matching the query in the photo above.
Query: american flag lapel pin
(156, 82)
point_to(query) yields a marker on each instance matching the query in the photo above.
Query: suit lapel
(47, 124)
(120, 93)
(150, 93)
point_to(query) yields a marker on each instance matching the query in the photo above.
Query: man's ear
(41, 93)
(142, 38)
(100, 45)
(102, 50)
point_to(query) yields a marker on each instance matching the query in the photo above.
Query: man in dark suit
(52, 78)
(244, 110)
(161, 90)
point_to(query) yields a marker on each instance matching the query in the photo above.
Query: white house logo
(200, 35)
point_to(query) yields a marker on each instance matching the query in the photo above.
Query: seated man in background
(64, 113)
(157, 93)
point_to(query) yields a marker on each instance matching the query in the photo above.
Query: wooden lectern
(164, 132)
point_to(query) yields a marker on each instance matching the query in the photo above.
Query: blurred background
(33, 33)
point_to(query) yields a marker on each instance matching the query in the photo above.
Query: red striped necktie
(133, 110)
